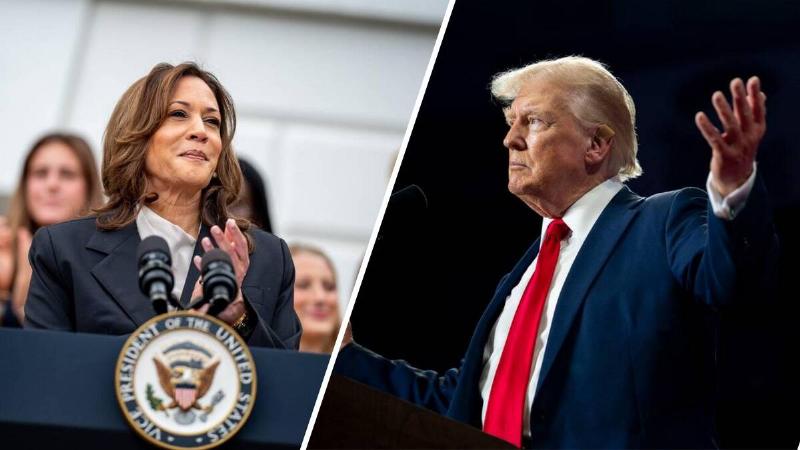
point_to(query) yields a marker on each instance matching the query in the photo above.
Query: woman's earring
(214, 175)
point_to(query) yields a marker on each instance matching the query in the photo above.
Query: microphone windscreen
(153, 243)
(214, 255)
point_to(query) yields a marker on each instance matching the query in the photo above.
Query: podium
(354, 415)
(57, 390)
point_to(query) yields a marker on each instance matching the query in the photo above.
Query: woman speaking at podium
(168, 170)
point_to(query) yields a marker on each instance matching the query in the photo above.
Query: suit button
(539, 416)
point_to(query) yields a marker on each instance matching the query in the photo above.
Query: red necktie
(504, 414)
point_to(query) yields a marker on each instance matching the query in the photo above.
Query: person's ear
(601, 144)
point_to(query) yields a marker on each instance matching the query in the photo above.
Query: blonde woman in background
(316, 298)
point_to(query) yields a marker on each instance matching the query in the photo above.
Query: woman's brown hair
(18, 214)
(139, 113)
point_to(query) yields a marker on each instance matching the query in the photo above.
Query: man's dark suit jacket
(86, 280)
(629, 360)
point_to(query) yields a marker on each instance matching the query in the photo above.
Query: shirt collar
(149, 223)
(581, 216)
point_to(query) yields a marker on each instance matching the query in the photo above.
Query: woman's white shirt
(181, 244)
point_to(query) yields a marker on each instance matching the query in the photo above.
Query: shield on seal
(185, 397)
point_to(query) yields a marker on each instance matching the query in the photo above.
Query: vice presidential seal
(185, 381)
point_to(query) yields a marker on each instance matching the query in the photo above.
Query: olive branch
(156, 403)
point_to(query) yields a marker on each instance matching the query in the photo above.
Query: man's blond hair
(594, 96)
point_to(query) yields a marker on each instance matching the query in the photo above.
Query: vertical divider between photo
(376, 226)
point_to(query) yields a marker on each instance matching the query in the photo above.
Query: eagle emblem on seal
(185, 373)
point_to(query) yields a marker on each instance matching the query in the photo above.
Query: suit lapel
(467, 401)
(118, 271)
(484, 327)
(193, 274)
(599, 244)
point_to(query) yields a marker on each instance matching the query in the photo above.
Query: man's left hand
(734, 150)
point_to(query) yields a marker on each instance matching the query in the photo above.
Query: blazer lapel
(466, 403)
(191, 277)
(118, 271)
(599, 244)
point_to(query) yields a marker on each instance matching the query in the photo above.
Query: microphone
(219, 280)
(155, 272)
(403, 212)
(409, 199)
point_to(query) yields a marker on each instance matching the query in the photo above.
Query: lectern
(57, 391)
(354, 415)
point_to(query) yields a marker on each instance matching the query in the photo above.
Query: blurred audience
(252, 201)
(316, 298)
(6, 263)
(58, 182)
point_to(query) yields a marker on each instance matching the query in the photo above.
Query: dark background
(433, 270)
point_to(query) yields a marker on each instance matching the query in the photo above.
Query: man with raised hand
(597, 338)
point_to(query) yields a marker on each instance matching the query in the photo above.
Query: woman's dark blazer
(86, 280)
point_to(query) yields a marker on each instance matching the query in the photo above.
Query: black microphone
(409, 199)
(219, 280)
(155, 272)
(405, 209)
